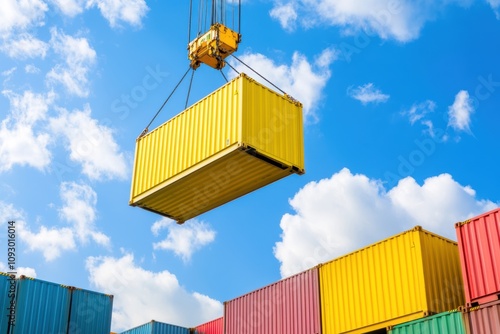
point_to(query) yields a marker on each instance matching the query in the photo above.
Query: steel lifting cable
(257, 74)
(189, 89)
(168, 98)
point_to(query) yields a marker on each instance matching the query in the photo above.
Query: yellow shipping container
(403, 278)
(239, 138)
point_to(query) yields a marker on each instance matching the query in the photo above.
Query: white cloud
(368, 94)
(26, 271)
(495, 4)
(49, 241)
(286, 15)
(19, 142)
(25, 46)
(184, 239)
(302, 80)
(459, 113)
(31, 69)
(115, 11)
(399, 20)
(20, 15)
(70, 8)
(136, 289)
(91, 144)
(79, 209)
(78, 58)
(419, 111)
(348, 211)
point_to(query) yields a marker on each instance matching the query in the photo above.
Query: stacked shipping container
(45, 307)
(484, 319)
(155, 327)
(443, 323)
(212, 327)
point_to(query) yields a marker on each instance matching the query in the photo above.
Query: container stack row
(38, 306)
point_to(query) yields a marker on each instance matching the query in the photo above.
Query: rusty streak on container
(238, 139)
(479, 246)
(484, 319)
(212, 327)
(289, 306)
(405, 277)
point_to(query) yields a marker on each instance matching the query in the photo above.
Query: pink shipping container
(289, 306)
(484, 319)
(212, 327)
(479, 248)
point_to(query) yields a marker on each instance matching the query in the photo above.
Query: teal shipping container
(451, 322)
(155, 327)
(90, 312)
(41, 307)
(7, 294)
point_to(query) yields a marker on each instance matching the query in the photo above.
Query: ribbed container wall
(212, 327)
(5, 299)
(155, 327)
(484, 319)
(289, 306)
(90, 312)
(479, 246)
(443, 323)
(238, 139)
(403, 278)
(41, 307)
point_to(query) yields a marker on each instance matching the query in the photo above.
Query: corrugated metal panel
(155, 327)
(289, 306)
(5, 299)
(212, 327)
(402, 278)
(484, 319)
(42, 307)
(90, 312)
(442, 323)
(479, 246)
(237, 139)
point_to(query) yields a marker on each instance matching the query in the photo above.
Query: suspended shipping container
(289, 306)
(405, 277)
(41, 307)
(90, 312)
(155, 327)
(212, 327)
(8, 286)
(238, 139)
(479, 246)
(484, 319)
(451, 322)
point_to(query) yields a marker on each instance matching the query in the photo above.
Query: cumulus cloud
(419, 111)
(124, 279)
(303, 80)
(69, 8)
(20, 15)
(348, 211)
(184, 239)
(26, 271)
(25, 46)
(367, 94)
(115, 11)
(398, 20)
(495, 4)
(79, 209)
(20, 142)
(90, 144)
(78, 58)
(460, 111)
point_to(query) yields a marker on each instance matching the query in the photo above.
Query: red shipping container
(484, 319)
(479, 248)
(289, 306)
(212, 327)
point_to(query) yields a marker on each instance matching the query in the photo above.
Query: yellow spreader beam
(213, 47)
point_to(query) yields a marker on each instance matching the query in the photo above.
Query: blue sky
(401, 102)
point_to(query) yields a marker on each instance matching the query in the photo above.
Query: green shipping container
(451, 322)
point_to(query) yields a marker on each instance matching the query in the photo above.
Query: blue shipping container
(90, 312)
(7, 294)
(155, 327)
(41, 307)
